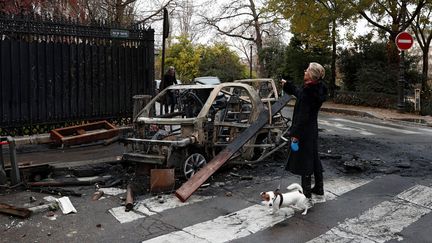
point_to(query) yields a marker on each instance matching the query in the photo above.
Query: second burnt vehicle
(206, 119)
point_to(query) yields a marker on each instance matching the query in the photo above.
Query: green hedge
(366, 99)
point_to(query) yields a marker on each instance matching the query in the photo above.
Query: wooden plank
(11, 210)
(189, 187)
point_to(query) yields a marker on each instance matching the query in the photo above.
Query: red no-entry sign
(404, 41)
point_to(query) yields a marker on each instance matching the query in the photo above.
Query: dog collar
(281, 200)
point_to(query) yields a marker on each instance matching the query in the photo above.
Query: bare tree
(421, 26)
(247, 20)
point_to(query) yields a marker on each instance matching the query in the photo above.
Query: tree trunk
(333, 63)
(425, 94)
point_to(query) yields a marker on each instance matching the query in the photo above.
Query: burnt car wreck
(205, 120)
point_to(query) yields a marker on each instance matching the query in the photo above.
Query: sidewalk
(379, 113)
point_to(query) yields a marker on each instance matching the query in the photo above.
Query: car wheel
(192, 164)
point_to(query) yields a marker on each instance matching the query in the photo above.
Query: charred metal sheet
(15, 211)
(84, 133)
(189, 187)
(162, 180)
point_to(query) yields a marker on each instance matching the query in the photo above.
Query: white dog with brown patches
(293, 198)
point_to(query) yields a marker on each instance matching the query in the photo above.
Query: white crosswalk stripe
(249, 220)
(399, 130)
(384, 221)
(344, 127)
(151, 206)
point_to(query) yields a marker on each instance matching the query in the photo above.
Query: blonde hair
(316, 71)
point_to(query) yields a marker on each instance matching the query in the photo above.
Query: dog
(293, 198)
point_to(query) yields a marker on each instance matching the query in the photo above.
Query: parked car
(201, 126)
(210, 80)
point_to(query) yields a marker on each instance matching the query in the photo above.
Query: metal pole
(250, 64)
(3, 178)
(401, 84)
(15, 174)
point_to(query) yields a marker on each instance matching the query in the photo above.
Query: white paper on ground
(66, 205)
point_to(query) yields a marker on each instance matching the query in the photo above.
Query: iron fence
(58, 71)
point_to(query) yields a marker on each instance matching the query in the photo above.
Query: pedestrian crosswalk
(370, 128)
(383, 209)
(384, 221)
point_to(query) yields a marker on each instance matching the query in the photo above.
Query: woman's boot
(318, 188)
(306, 185)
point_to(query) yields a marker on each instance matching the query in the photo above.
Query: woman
(304, 129)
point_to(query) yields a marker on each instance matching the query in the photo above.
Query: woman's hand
(283, 81)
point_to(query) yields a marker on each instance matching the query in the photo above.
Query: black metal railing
(59, 71)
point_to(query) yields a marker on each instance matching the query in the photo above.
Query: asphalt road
(378, 189)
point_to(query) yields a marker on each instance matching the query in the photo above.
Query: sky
(208, 36)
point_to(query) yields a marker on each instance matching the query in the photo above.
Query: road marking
(151, 206)
(249, 220)
(384, 221)
(343, 127)
(401, 130)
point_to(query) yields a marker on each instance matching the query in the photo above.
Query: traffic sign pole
(401, 83)
(403, 41)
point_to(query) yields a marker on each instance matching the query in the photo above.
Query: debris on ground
(129, 198)
(97, 195)
(66, 205)
(14, 211)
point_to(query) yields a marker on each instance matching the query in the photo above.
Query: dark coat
(167, 81)
(305, 127)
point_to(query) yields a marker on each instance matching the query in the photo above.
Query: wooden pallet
(86, 133)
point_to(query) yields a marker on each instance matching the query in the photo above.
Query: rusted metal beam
(65, 183)
(190, 186)
(11, 210)
(129, 198)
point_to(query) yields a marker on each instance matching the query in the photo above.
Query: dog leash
(286, 140)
